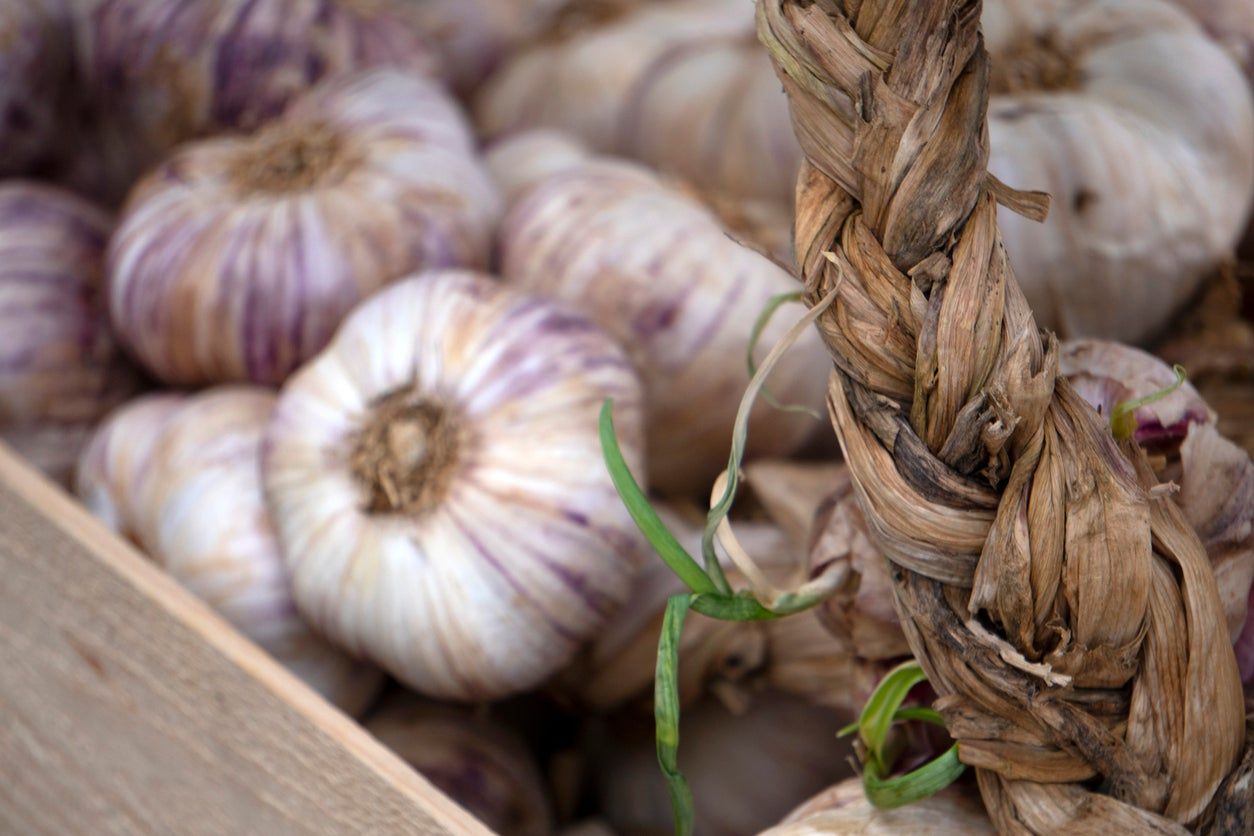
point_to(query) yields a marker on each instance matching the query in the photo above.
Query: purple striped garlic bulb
(437, 484)
(479, 763)
(60, 369)
(36, 77)
(161, 72)
(683, 86)
(181, 477)
(659, 271)
(238, 257)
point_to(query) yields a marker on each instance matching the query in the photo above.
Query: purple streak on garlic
(36, 72)
(181, 477)
(436, 480)
(659, 272)
(480, 764)
(165, 71)
(60, 369)
(237, 258)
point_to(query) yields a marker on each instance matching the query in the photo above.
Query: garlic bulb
(1142, 130)
(1230, 22)
(238, 257)
(437, 484)
(526, 159)
(36, 73)
(844, 809)
(682, 86)
(60, 369)
(181, 476)
(165, 71)
(479, 764)
(745, 771)
(660, 273)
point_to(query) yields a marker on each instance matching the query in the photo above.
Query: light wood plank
(127, 706)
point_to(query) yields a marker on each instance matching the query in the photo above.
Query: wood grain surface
(127, 706)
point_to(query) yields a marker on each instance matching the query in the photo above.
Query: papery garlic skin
(166, 71)
(683, 86)
(437, 482)
(478, 763)
(60, 369)
(844, 809)
(1147, 150)
(181, 477)
(659, 272)
(238, 257)
(746, 770)
(36, 73)
(523, 160)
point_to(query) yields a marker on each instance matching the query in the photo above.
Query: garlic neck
(284, 159)
(1033, 63)
(407, 453)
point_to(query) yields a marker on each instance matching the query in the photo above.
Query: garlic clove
(844, 809)
(237, 258)
(745, 770)
(480, 764)
(436, 480)
(180, 475)
(161, 72)
(660, 273)
(60, 369)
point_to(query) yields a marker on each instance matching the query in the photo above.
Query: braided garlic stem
(1067, 617)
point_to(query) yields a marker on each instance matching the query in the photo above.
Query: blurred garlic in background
(60, 369)
(36, 77)
(658, 271)
(238, 257)
(478, 763)
(1142, 130)
(436, 480)
(843, 810)
(161, 72)
(746, 770)
(180, 475)
(683, 86)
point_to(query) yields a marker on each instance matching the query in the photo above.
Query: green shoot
(1123, 416)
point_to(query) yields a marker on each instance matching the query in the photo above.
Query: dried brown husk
(1068, 618)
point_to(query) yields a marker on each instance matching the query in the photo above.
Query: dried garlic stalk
(1068, 618)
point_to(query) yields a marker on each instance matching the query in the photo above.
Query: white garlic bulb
(659, 272)
(60, 369)
(480, 764)
(843, 810)
(181, 476)
(161, 72)
(1141, 128)
(745, 770)
(238, 257)
(683, 86)
(522, 160)
(437, 483)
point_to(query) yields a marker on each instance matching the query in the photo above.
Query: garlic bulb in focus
(843, 810)
(1142, 130)
(36, 73)
(238, 257)
(481, 765)
(60, 369)
(161, 72)
(181, 477)
(745, 771)
(659, 272)
(436, 480)
(683, 86)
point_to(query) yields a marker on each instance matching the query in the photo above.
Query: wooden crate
(127, 706)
